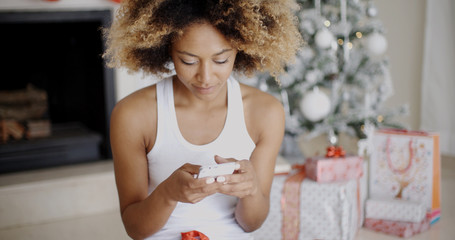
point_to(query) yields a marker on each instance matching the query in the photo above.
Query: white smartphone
(216, 170)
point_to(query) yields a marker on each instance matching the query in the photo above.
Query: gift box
(332, 169)
(406, 165)
(397, 228)
(301, 208)
(395, 210)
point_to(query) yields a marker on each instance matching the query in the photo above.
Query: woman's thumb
(191, 168)
(219, 159)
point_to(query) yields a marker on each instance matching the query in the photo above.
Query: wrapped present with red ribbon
(335, 166)
(306, 209)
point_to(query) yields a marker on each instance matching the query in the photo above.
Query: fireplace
(58, 52)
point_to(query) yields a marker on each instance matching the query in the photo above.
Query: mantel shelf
(64, 5)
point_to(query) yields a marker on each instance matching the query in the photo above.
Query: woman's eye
(222, 62)
(188, 63)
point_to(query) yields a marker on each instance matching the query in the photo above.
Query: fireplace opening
(59, 54)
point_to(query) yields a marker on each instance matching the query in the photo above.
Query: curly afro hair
(263, 32)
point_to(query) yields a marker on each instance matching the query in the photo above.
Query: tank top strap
(164, 99)
(236, 117)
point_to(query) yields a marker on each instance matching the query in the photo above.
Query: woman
(162, 134)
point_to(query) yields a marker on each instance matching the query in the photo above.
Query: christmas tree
(341, 78)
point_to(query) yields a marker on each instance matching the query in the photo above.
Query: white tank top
(213, 216)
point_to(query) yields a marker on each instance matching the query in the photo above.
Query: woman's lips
(204, 90)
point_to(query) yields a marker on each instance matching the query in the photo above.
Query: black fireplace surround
(60, 52)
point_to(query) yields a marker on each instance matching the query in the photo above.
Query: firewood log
(23, 96)
(21, 105)
(11, 128)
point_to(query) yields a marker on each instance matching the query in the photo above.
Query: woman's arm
(141, 215)
(265, 121)
(133, 130)
(252, 210)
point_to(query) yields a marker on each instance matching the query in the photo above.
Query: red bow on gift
(194, 235)
(335, 151)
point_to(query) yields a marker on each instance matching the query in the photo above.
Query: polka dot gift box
(301, 209)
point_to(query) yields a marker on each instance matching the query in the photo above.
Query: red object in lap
(194, 235)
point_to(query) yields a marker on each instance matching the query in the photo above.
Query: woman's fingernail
(237, 166)
(220, 179)
(210, 180)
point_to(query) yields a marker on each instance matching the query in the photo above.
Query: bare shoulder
(137, 103)
(262, 110)
(259, 102)
(136, 114)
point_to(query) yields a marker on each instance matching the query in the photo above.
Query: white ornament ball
(334, 46)
(376, 44)
(312, 76)
(324, 38)
(315, 105)
(372, 11)
(307, 53)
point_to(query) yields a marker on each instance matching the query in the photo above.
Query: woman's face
(203, 60)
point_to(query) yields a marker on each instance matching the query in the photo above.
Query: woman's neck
(185, 98)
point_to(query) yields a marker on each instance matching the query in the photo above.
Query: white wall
(127, 83)
(404, 21)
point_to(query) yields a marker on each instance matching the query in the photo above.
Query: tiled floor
(109, 226)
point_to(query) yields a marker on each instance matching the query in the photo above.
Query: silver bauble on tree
(315, 105)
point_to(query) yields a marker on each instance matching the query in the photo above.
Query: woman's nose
(205, 73)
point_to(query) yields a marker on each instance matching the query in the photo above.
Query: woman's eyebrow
(194, 55)
(222, 51)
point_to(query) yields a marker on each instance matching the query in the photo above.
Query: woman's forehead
(201, 37)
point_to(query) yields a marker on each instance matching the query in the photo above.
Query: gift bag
(406, 165)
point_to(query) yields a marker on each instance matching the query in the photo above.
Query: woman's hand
(242, 183)
(181, 186)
